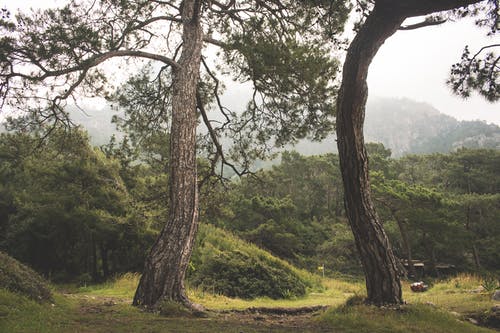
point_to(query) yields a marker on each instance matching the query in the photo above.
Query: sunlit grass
(334, 292)
(86, 310)
(21, 314)
(121, 286)
(407, 319)
(462, 294)
(458, 294)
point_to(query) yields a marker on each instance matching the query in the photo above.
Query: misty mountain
(403, 125)
(97, 123)
(407, 126)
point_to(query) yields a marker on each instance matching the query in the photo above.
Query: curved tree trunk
(379, 264)
(166, 264)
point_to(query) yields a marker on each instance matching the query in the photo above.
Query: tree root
(280, 310)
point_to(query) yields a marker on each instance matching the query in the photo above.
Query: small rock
(478, 290)
(430, 304)
(419, 286)
(496, 295)
(495, 308)
(258, 318)
(473, 321)
(456, 314)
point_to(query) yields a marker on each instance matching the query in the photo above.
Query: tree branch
(94, 61)
(215, 140)
(425, 23)
(484, 48)
(216, 93)
(216, 42)
(409, 8)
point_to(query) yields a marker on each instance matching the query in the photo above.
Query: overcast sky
(413, 64)
(416, 64)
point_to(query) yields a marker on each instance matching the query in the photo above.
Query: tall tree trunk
(380, 267)
(407, 245)
(381, 272)
(105, 262)
(477, 262)
(433, 262)
(165, 267)
(475, 252)
(93, 248)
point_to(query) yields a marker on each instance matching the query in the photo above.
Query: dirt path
(97, 313)
(291, 318)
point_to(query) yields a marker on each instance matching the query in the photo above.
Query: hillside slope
(407, 126)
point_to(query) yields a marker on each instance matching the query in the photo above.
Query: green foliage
(295, 81)
(477, 74)
(222, 263)
(68, 208)
(289, 210)
(339, 253)
(490, 282)
(447, 205)
(21, 279)
(68, 212)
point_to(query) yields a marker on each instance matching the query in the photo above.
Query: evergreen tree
(381, 19)
(277, 46)
(68, 209)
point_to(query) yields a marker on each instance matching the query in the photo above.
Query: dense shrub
(225, 264)
(19, 278)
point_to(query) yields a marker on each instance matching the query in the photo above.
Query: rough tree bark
(166, 264)
(379, 264)
(380, 267)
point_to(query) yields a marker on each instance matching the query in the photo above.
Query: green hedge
(224, 264)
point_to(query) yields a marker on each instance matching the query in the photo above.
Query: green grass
(333, 293)
(407, 319)
(18, 314)
(458, 294)
(123, 286)
(106, 308)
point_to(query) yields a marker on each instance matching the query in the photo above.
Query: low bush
(19, 278)
(224, 264)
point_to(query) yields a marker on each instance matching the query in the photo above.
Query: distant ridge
(407, 127)
(403, 125)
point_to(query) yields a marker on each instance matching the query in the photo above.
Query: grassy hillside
(224, 264)
(21, 279)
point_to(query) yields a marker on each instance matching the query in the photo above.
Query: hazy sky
(416, 64)
(413, 64)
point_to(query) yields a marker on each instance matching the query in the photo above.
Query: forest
(172, 226)
(86, 215)
(80, 213)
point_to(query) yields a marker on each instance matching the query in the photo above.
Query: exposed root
(196, 309)
(280, 311)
